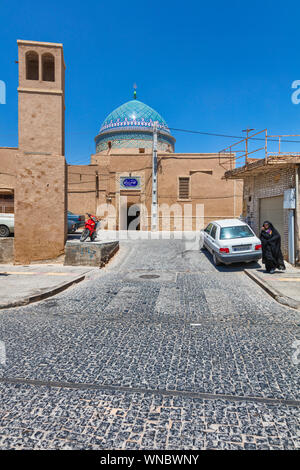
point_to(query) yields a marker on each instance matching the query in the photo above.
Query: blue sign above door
(128, 182)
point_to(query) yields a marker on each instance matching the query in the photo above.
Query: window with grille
(184, 188)
(32, 65)
(48, 66)
(7, 203)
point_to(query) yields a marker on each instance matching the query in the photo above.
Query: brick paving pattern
(194, 329)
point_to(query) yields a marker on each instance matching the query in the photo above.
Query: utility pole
(246, 154)
(154, 180)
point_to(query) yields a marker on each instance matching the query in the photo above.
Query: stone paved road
(142, 352)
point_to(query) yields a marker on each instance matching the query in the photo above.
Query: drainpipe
(154, 180)
(289, 203)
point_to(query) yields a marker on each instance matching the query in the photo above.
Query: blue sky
(210, 66)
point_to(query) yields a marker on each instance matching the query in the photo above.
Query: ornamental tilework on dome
(131, 140)
(134, 113)
(131, 126)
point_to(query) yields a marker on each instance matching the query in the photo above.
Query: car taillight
(258, 247)
(224, 250)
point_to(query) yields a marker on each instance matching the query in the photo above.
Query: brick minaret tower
(41, 199)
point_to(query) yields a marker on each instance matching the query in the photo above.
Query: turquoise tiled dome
(131, 126)
(134, 113)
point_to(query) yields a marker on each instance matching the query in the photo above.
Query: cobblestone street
(193, 357)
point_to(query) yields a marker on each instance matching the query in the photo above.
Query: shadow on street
(235, 267)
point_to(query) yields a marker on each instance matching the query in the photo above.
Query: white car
(7, 225)
(231, 241)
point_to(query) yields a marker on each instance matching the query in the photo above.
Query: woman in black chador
(271, 250)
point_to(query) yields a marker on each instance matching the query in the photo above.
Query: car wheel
(215, 260)
(4, 231)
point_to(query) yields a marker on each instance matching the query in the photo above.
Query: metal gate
(271, 208)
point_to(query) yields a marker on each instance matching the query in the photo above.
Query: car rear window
(238, 231)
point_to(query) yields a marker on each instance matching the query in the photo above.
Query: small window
(7, 203)
(48, 67)
(32, 66)
(184, 188)
(141, 150)
(213, 231)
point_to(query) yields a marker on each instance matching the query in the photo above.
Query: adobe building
(33, 175)
(119, 177)
(38, 186)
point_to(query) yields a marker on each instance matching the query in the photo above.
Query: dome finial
(134, 93)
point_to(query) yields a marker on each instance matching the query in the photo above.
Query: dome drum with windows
(131, 126)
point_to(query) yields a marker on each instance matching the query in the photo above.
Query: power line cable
(230, 136)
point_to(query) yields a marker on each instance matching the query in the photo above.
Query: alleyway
(124, 360)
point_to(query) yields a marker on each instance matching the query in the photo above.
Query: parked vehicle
(7, 224)
(76, 220)
(90, 228)
(231, 241)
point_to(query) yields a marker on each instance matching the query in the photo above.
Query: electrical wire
(213, 134)
(228, 135)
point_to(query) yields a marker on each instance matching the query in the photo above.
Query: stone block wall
(89, 254)
(6, 250)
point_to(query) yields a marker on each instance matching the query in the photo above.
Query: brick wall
(268, 184)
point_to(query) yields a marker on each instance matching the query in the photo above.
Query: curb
(43, 295)
(287, 301)
(108, 257)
